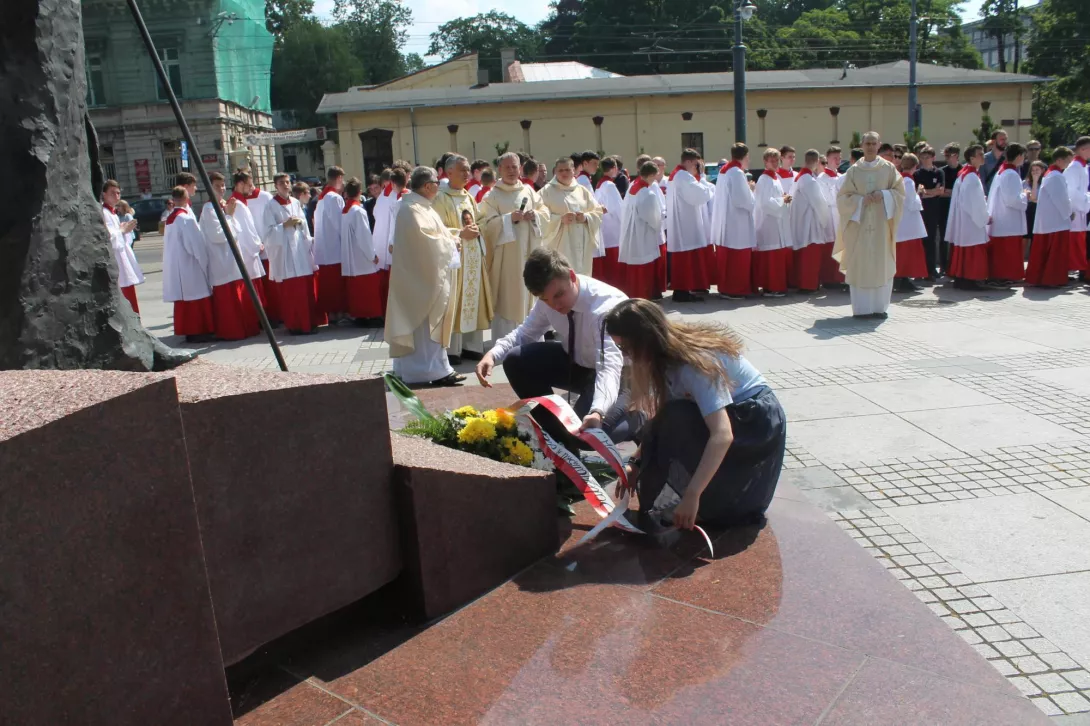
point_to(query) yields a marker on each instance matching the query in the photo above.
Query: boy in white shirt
(809, 220)
(773, 255)
(359, 260)
(1050, 251)
(1007, 203)
(733, 230)
(967, 227)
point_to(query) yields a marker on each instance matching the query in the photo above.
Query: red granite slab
(891, 693)
(802, 575)
(292, 477)
(529, 653)
(296, 703)
(105, 613)
(470, 522)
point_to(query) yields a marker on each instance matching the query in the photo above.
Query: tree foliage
(1059, 47)
(486, 34)
(283, 14)
(312, 59)
(1002, 21)
(377, 30)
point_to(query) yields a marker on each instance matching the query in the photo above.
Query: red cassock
(332, 297)
(806, 267)
(1049, 257)
(772, 268)
(1005, 258)
(692, 270)
(364, 295)
(662, 281)
(234, 312)
(129, 291)
(830, 268)
(607, 269)
(969, 263)
(194, 317)
(911, 260)
(1076, 244)
(269, 292)
(299, 304)
(640, 280)
(734, 271)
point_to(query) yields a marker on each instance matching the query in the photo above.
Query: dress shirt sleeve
(607, 380)
(531, 329)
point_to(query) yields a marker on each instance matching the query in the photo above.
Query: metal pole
(912, 121)
(739, 77)
(199, 163)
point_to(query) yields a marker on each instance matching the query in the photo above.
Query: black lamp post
(743, 10)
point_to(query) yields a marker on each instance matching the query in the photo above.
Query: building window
(291, 163)
(693, 140)
(173, 67)
(106, 157)
(96, 85)
(172, 161)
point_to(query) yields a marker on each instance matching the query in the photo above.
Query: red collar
(1004, 166)
(174, 214)
(326, 190)
(785, 173)
(967, 170)
(530, 182)
(732, 164)
(774, 174)
(109, 208)
(1080, 160)
(236, 195)
(583, 173)
(441, 174)
(831, 172)
(281, 201)
(802, 171)
(348, 204)
(602, 181)
(255, 194)
(637, 186)
(906, 175)
(675, 171)
(1051, 168)
(472, 183)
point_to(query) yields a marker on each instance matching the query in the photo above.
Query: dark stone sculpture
(60, 306)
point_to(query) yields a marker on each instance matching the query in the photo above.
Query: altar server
(772, 258)
(911, 232)
(607, 267)
(641, 236)
(831, 179)
(250, 236)
(232, 308)
(1076, 176)
(809, 219)
(129, 274)
(692, 259)
(1007, 204)
(185, 272)
(1050, 251)
(359, 261)
(332, 297)
(291, 257)
(733, 229)
(967, 228)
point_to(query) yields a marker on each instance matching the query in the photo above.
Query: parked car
(711, 172)
(147, 213)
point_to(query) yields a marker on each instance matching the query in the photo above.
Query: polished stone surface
(294, 495)
(791, 622)
(105, 613)
(999, 538)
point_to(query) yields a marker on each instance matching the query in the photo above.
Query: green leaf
(407, 398)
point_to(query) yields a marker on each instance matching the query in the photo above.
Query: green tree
(1059, 47)
(283, 14)
(485, 34)
(377, 30)
(1001, 20)
(817, 38)
(312, 59)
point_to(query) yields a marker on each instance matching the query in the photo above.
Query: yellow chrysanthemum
(490, 416)
(465, 412)
(516, 452)
(476, 429)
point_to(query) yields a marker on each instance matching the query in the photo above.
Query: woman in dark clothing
(715, 445)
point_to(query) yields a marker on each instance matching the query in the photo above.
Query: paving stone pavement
(952, 441)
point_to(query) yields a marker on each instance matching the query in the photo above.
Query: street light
(743, 10)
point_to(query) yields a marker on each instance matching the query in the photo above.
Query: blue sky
(430, 14)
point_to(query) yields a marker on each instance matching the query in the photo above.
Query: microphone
(522, 206)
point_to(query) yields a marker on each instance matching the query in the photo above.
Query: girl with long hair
(717, 435)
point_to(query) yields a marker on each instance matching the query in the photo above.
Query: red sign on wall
(210, 158)
(143, 175)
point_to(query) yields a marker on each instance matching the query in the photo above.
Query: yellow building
(418, 117)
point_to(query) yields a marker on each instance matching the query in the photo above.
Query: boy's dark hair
(529, 168)
(279, 176)
(373, 179)
(1013, 151)
(784, 150)
(542, 267)
(885, 146)
(739, 151)
(609, 164)
(178, 193)
(184, 178)
(577, 158)
(298, 188)
(857, 154)
(333, 173)
(110, 184)
(240, 177)
(690, 155)
(833, 150)
(352, 188)
(589, 156)
(951, 149)
(488, 176)
(1082, 141)
(479, 164)
(216, 176)
(1062, 152)
(384, 177)
(648, 169)
(971, 149)
(399, 178)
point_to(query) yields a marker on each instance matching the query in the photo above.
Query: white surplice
(809, 213)
(771, 218)
(911, 226)
(327, 229)
(290, 249)
(222, 267)
(185, 259)
(641, 226)
(357, 246)
(967, 225)
(686, 197)
(609, 197)
(1076, 176)
(128, 269)
(1007, 205)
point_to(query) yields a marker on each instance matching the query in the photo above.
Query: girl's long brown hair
(655, 344)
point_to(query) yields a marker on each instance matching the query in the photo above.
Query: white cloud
(428, 15)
